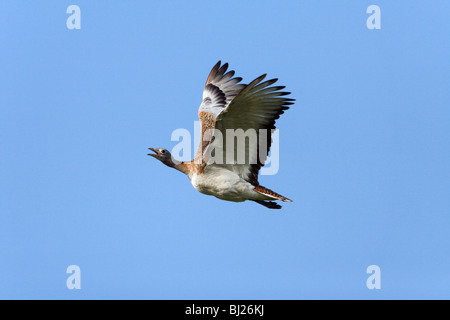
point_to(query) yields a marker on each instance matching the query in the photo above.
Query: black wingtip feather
(222, 69)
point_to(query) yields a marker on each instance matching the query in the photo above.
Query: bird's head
(162, 155)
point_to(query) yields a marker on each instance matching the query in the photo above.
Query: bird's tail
(271, 194)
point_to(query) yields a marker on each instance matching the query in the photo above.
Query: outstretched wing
(220, 89)
(255, 107)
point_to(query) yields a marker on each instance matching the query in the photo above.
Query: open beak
(155, 154)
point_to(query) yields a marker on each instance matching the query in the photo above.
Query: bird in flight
(221, 167)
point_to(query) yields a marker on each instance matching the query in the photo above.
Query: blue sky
(364, 152)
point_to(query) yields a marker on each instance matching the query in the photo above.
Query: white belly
(223, 184)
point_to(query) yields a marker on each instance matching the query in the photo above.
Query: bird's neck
(189, 168)
(182, 167)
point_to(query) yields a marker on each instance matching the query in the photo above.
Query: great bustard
(228, 105)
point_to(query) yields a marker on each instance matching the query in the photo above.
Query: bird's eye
(163, 151)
